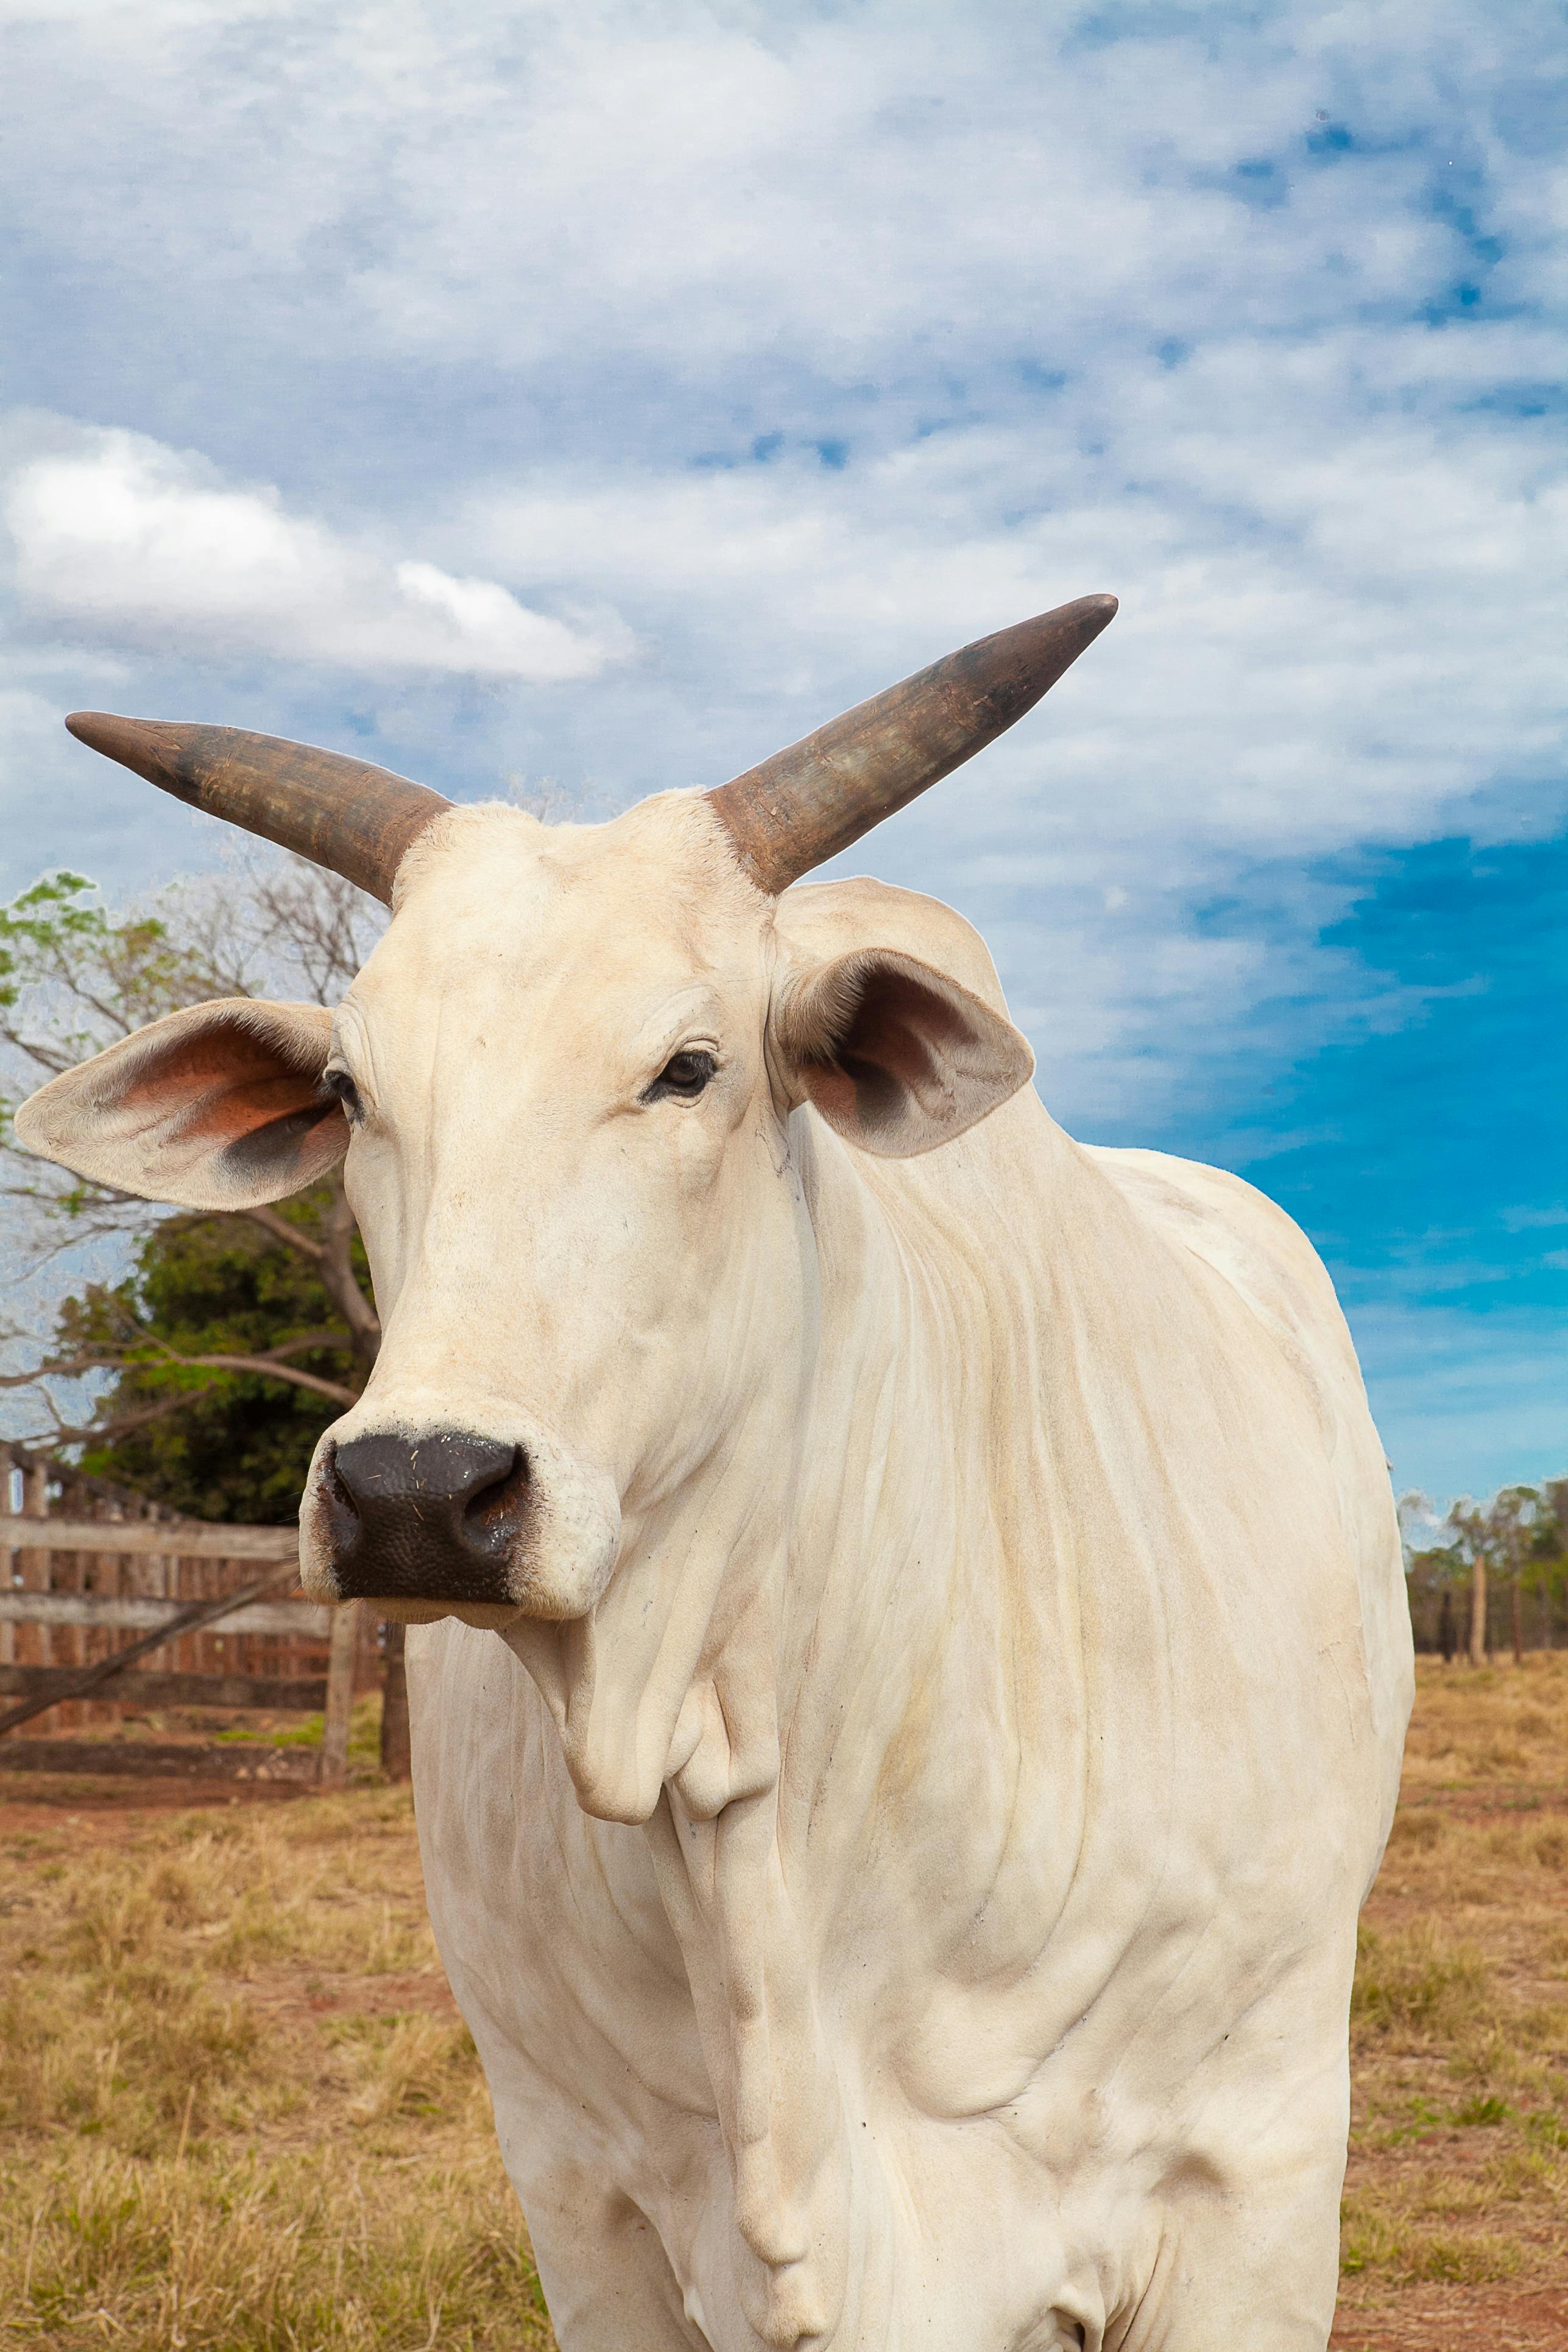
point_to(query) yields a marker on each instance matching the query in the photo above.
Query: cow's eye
(684, 1075)
(338, 1084)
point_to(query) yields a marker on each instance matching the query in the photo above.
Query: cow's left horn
(351, 817)
(806, 804)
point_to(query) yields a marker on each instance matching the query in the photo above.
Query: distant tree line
(1499, 1583)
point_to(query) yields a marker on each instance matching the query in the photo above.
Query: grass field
(240, 2115)
(1455, 2215)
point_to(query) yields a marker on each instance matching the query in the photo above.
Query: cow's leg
(603, 2270)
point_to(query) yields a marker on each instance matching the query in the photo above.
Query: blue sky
(606, 393)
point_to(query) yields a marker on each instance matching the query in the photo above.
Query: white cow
(913, 1658)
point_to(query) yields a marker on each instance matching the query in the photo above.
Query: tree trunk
(1546, 1612)
(394, 1751)
(1479, 1613)
(335, 1267)
(1516, 1627)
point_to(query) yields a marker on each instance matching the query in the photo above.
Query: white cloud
(119, 538)
(1015, 303)
(1324, 638)
(737, 198)
(814, 341)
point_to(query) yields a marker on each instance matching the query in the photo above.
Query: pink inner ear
(896, 1055)
(217, 1106)
(888, 1050)
(897, 1028)
(223, 1115)
(218, 1086)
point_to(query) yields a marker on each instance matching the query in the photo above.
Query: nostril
(436, 1512)
(494, 1513)
(342, 1511)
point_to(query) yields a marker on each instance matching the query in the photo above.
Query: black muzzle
(425, 1519)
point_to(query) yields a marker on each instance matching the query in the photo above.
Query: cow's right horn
(803, 805)
(353, 818)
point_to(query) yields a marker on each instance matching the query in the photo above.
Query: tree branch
(100, 1432)
(297, 1346)
(269, 1369)
(269, 1366)
(293, 1236)
(69, 1368)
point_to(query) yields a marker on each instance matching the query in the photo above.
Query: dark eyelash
(338, 1086)
(683, 1076)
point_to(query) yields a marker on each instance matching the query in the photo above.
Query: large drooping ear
(896, 1056)
(219, 1107)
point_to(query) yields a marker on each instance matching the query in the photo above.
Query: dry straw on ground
(1454, 2215)
(240, 2114)
(239, 2111)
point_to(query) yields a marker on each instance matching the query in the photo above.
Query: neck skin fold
(814, 1577)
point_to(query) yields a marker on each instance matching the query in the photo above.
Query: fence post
(340, 1695)
(32, 1568)
(8, 1633)
(100, 1572)
(394, 1752)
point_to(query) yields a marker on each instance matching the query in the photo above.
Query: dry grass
(1454, 2206)
(239, 2113)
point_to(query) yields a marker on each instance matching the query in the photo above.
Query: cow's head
(562, 1082)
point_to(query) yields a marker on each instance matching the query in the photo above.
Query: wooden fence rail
(302, 1621)
(134, 1688)
(87, 1570)
(192, 1540)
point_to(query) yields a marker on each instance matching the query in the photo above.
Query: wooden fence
(87, 1570)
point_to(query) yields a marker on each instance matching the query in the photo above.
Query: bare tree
(1494, 1539)
(1468, 1520)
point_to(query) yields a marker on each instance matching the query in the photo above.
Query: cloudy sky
(607, 393)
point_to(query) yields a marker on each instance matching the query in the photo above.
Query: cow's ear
(219, 1107)
(896, 1056)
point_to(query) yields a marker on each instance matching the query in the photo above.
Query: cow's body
(910, 1656)
(1064, 1669)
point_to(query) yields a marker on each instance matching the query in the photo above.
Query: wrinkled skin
(900, 1854)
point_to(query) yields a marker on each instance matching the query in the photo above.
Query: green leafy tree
(1512, 1520)
(1547, 1555)
(210, 1437)
(211, 1364)
(1494, 1540)
(1433, 1571)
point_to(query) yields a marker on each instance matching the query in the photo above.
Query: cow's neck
(817, 1582)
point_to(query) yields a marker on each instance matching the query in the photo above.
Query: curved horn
(806, 804)
(353, 818)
